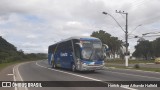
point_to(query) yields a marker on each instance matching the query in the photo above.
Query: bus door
(64, 59)
(67, 59)
(66, 54)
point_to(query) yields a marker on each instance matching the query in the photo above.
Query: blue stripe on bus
(88, 39)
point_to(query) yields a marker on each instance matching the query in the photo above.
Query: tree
(147, 49)
(3, 56)
(143, 49)
(156, 47)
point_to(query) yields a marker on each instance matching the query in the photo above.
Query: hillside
(7, 51)
(4, 45)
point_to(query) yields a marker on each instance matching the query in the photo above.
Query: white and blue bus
(77, 53)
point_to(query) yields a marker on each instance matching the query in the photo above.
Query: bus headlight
(103, 63)
(84, 64)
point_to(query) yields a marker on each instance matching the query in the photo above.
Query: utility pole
(126, 37)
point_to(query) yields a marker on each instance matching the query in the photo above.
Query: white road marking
(16, 68)
(10, 74)
(14, 77)
(69, 73)
(18, 72)
(80, 76)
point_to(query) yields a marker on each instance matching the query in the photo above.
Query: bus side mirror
(105, 48)
(78, 59)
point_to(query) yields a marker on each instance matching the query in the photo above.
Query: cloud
(32, 36)
(33, 25)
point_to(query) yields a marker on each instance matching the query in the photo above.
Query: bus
(78, 53)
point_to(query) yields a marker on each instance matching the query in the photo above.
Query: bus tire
(73, 67)
(53, 65)
(92, 71)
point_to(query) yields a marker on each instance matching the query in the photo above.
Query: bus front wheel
(73, 68)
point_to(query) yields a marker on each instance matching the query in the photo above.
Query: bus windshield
(92, 50)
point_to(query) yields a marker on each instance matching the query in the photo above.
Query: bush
(136, 66)
(14, 58)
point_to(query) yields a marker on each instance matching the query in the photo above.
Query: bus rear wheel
(92, 71)
(53, 65)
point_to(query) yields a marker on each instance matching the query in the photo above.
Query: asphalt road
(41, 71)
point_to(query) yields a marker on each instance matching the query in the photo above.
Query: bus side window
(77, 50)
(67, 46)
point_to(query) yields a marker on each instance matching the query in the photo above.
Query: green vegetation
(134, 68)
(3, 65)
(10, 55)
(147, 49)
(120, 64)
(150, 69)
(120, 61)
(135, 64)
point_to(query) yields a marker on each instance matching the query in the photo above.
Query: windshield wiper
(91, 54)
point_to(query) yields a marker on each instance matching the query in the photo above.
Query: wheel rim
(53, 65)
(73, 67)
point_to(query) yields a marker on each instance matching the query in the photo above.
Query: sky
(33, 25)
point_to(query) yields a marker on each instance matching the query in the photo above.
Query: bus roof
(77, 37)
(81, 37)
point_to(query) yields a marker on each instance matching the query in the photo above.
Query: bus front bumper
(92, 67)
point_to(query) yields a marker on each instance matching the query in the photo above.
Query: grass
(4, 65)
(151, 69)
(118, 61)
(140, 68)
